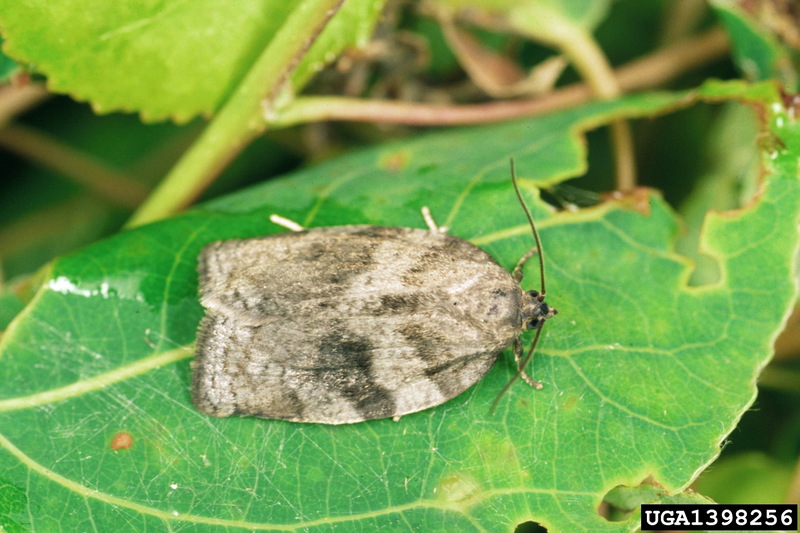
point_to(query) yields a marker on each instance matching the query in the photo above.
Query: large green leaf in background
(165, 60)
(643, 375)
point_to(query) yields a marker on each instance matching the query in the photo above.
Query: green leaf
(173, 60)
(10, 306)
(643, 375)
(757, 49)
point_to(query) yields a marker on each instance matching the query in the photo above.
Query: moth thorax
(537, 311)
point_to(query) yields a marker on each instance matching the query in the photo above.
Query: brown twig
(76, 166)
(647, 72)
(15, 100)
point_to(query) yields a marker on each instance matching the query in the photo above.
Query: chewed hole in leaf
(530, 527)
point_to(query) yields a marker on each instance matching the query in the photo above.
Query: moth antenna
(520, 370)
(528, 356)
(533, 229)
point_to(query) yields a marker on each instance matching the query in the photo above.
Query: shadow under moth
(343, 324)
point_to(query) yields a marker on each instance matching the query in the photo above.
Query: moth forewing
(350, 323)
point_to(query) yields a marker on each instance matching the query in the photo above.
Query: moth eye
(533, 294)
(533, 324)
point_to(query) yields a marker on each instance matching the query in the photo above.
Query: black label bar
(719, 517)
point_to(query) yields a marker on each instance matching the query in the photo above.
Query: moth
(344, 324)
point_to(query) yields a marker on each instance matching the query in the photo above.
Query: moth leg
(426, 214)
(517, 273)
(291, 225)
(518, 358)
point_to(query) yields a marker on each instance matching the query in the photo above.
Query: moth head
(537, 311)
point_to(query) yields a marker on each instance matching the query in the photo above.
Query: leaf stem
(588, 58)
(242, 117)
(16, 100)
(646, 72)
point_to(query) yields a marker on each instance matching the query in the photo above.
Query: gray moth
(343, 324)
